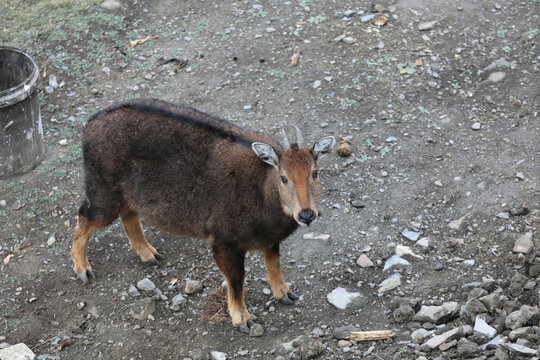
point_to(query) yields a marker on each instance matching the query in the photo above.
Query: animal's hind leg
(134, 231)
(83, 231)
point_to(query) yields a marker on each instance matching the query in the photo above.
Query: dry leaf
(64, 342)
(24, 245)
(7, 258)
(295, 58)
(134, 43)
(418, 62)
(379, 20)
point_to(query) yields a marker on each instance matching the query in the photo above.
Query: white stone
(423, 242)
(496, 76)
(316, 236)
(524, 243)
(482, 327)
(411, 235)
(218, 355)
(428, 25)
(317, 84)
(51, 241)
(349, 40)
(439, 339)
(17, 352)
(392, 282)
(476, 126)
(111, 4)
(519, 349)
(395, 261)
(341, 298)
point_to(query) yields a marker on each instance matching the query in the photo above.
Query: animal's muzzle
(307, 216)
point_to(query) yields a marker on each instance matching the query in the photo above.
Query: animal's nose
(306, 216)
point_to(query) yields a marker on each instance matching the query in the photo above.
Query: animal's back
(175, 166)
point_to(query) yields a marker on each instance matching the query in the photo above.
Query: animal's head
(296, 174)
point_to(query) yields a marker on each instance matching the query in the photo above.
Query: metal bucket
(21, 132)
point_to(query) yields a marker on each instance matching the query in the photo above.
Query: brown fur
(188, 173)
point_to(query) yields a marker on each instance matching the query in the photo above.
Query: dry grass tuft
(216, 307)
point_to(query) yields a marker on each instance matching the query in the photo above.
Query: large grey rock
(17, 352)
(437, 314)
(146, 285)
(526, 315)
(143, 308)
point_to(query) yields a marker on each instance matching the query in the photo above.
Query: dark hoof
(244, 329)
(285, 300)
(292, 295)
(87, 277)
(153, 262)
(159, 256)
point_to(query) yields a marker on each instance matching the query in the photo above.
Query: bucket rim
(24, 88)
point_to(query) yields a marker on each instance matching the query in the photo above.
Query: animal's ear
(266, 153)
(323, 146)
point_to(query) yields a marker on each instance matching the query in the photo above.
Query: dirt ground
(436, 135)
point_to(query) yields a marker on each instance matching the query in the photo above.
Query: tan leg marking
(134, 231)
(279, 288)
(83, 231)
(237, 309)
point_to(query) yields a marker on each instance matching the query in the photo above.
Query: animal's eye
(315, 174)
(284, 179)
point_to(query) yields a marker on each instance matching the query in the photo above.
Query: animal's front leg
(280, 289)
(230, 261)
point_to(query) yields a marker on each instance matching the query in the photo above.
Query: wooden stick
(371, 335)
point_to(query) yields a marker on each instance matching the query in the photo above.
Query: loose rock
(146, 285)
(193, 287)
(364, 262)
(256, 330)
(428, 25)
(437, 314)
(218, 355)
(143, 308)
(390, 283)
(341, 298)
(17, 352)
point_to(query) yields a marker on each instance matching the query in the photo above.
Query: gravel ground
(430, 208)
